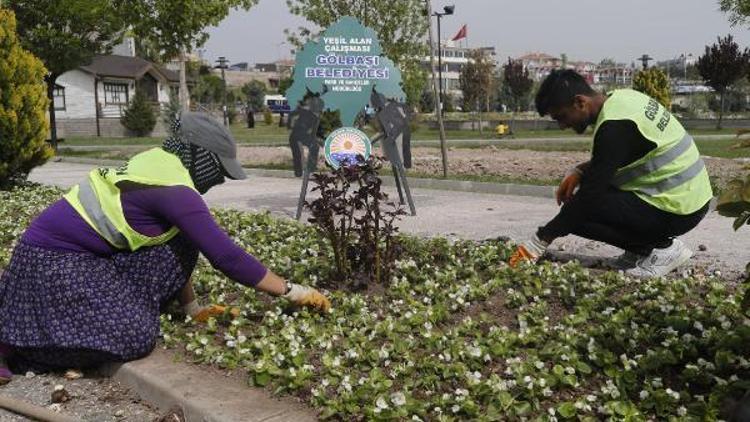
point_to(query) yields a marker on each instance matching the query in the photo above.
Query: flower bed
(459, 335)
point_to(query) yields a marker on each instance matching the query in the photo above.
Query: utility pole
(447, 10)
(438, 114)
(223, 65)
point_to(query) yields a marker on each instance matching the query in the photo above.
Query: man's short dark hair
(559, 89)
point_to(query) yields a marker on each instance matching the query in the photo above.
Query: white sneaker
(626, 260)
(661, 261)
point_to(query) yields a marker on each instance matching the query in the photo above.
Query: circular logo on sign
(344, 145)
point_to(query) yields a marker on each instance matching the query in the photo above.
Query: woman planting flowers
(89, 277)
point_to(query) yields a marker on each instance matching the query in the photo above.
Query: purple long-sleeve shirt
(150, 211)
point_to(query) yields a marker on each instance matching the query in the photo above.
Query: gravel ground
(545, 166)
(91, 398)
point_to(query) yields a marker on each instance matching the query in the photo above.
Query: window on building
(115, 93)
(58, 97)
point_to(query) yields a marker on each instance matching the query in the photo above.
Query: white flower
(455, 408)
(682, 411)
(643, 394)
(398, 399)
(380, 404)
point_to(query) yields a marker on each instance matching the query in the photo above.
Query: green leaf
(567, 410)
(262, 379)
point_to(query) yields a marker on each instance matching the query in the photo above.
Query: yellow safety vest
(672, 177)
(97, 199)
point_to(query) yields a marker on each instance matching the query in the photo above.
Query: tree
(139, 116)
(66, 34)
(173, 27)
(208, 90)
(23, 104)
(401, 27)
(517, 84)
(476, 81)
(427, 101)
(284, 84)
(738, 10)
(255, 91)
(654, 83)
(722, 65)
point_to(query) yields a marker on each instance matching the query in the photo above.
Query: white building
(453, 58)
(90, 100)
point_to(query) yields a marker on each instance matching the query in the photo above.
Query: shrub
(267, 117)
(172, 111)
(139, 116)
(350, 215)
(23, 105)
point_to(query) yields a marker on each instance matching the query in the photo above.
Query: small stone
(55, 407)
(120, 413)
(717, 273)
(702, 248)
(73, 374)
(490, 209)
(30, 374)
(60, 394)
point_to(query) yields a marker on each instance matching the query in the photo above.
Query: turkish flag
(461, 33)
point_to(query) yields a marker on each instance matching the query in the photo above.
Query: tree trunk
(721, 110)
(479, 116)
(183, 93)
(51, 79)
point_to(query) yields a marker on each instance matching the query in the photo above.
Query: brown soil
(512, 164)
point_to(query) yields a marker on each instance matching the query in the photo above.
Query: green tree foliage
(66, 34)
(23, 104)
(427, 102)
(517, 84)
(654, 83)
(171, 27)
(208, 90)
(139, 116)
(476, 80)
(255, 91)
(284, 84)
(401, 27)
(738, 10)
(722, 65)
(172, 111)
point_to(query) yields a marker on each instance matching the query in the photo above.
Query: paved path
(459, 214)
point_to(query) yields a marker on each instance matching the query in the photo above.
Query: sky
(583, 29)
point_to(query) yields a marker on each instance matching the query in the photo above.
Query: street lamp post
(447, 10)
(223, 65)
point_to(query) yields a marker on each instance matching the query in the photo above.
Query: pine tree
(139, 117)
(23, 106)
(654, 83)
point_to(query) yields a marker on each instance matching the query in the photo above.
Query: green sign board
(343, 65)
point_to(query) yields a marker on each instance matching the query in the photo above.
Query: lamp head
(449, 9)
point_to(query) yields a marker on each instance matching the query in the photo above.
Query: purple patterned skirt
(63, 309)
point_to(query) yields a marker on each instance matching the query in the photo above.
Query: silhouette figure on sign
(304, 122)
(393, 117)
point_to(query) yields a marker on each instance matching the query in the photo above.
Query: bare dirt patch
(489, 161)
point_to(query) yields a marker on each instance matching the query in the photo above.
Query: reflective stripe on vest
(655, 163)
(90, 203)
(675, 180)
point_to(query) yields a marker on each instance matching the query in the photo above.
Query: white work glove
(307, 296)
(529, 250)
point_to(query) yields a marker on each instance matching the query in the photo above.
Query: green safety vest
(672, 177)
(97, 199)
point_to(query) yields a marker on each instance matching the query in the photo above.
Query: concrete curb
(414, 182)
(202, 394)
